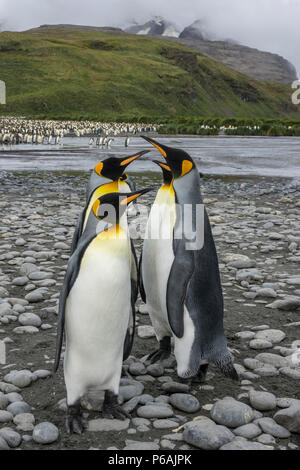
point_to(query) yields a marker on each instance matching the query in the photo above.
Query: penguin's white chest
(97, 314)
(158, 257)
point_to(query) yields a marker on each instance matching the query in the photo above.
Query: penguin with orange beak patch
(180, 274)
(95, 307)
(107, 176)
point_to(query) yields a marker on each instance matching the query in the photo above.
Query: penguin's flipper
(181, 272)
(141, 282)
(70, 278)
(78, 231)
(134, 293)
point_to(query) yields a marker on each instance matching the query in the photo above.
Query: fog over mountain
(271, 25)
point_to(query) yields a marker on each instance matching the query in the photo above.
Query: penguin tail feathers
(226, 366)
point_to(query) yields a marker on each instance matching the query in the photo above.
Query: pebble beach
(256, 226)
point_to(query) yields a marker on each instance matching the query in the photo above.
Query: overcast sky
(272, 25)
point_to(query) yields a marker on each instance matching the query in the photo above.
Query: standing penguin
(94, 309)
(106, 177)
(181, 284)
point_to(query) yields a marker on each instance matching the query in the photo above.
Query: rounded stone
(260, 344)
(12, 437)
(232, 413)
(207, 435)
(175, 387)
(155, 411)
(18, 407)
(248, 431)
(30, 319)
(5, 416)
(262, 401)
(24, 421)
(269, 426)
(137, 368)
(45, 433)
(185, 402)
(20, 378)
(4, 401)
(272, 336)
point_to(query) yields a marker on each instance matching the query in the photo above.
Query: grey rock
(5, 416)
(248, 431)
(164, 424)
(12, 437)
(266, 439)
(231, 413)
(30, 319)
(35, 296)
(156, 370)
(175, 387)
(3, 444)
(19, 378)
(272, 359)
(288, 304)
(27, 268)
(24, 422)
(206, 435)
(155, 411)
(20, 330)
(139, 445)
(259, 344)
(273, 336)
(137, 368)
(185, 402)
(239, 443)
(262, 401)
(4, 401)
(18, 407)
(289, 418)
(45, 433)
(140, 422)
(269, 426)
(291, 373)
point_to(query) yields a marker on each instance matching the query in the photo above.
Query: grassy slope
(98, 75)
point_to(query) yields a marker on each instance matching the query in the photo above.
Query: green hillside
(91, 74)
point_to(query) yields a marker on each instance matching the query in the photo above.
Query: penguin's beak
(132, 196)
(162, 165)
(163, 149)
(125, 161)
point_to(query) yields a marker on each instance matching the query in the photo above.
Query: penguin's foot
(201, 374)
(163, 352)
(74, 422)
(111, 409)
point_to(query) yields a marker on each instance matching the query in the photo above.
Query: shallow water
(233, 156)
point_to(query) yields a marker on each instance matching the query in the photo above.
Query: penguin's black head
(115, 204)
(178, 160)
(167, 172)
(114, 167)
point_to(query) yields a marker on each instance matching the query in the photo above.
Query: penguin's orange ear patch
(96, 207)
(186, 167)
(99, 168)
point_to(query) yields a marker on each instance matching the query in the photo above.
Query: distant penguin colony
(179, 282)
(16, 131)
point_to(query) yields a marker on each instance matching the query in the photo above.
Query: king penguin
(181, 281)
(106, 177)
(94, 309)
